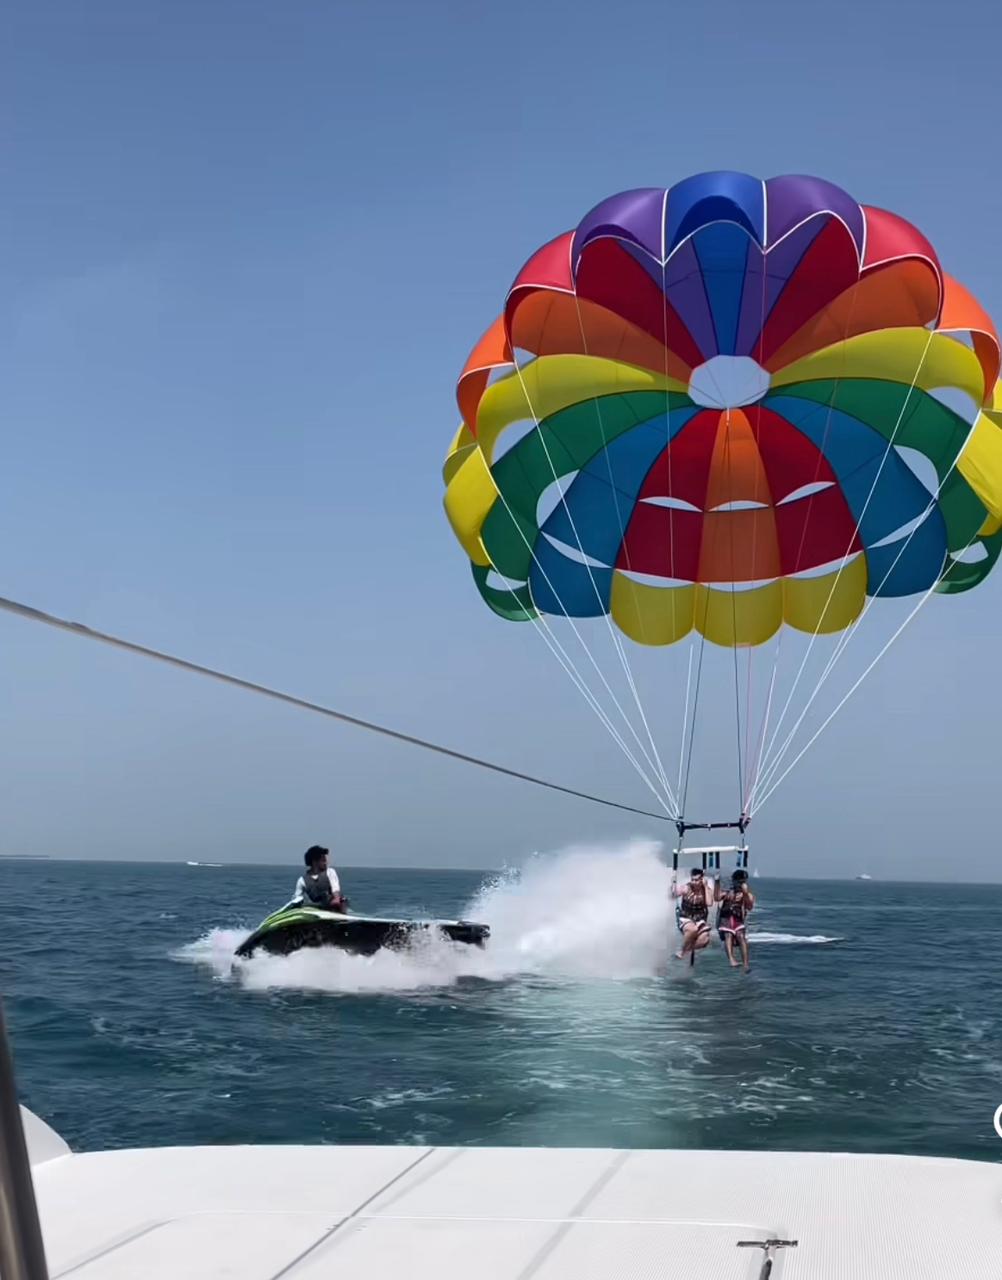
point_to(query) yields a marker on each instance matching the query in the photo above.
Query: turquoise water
(573, 1028)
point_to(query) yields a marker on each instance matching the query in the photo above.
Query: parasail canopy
(725, 409)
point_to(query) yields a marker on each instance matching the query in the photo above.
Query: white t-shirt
(300, 894)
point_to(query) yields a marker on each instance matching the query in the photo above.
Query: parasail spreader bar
(710, 854)
(739, 824)
(714, 848)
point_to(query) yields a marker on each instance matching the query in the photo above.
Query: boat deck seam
(553, 1241)
(104, 1250)
(349, 1217)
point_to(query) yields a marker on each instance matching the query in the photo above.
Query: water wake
(580, 913)
(813, 939)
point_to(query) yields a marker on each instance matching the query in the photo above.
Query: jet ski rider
(319, 886)
(692, 913)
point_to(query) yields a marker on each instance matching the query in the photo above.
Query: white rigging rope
(688, 726)
(546, 633)
(769, 781)
(652, 758)
(543, 629)
(695, 704)
(753, 771)
(772, 758)
(548, 636)
(685, 716)
(616, 640)
(831, 716)
(734, 608)
(748, 783)
(764, 755)
(683, 783)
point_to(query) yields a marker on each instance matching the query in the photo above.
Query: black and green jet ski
(295, 926)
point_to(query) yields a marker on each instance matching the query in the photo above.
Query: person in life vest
(692, 913)
(319, 886)
(735, 905)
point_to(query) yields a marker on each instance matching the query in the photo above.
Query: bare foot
(735, 965)
(679, 955)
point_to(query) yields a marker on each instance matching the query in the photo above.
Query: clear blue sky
(246, 247)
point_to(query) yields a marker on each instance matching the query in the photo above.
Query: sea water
(871, 1021)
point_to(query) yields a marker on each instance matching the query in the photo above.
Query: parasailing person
(692, 914)
(735, 905)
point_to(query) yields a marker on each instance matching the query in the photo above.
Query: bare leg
(703, 939)
(729, 948)
(687, 939)
(744, 949)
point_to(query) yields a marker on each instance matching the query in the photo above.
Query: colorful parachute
(703, 409)
(716, 409)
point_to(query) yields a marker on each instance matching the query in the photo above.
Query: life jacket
(694, 905)
(732, 903)
(318, 888)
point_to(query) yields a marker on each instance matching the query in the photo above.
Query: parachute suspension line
(831, 716)
(653, 761)
(584, 644)
(821, 454)
(753, 763)
(685, 716)
(770, 771)
(743, 779)
(688, 725)
(760, 752)
(616, 640)
(774, 758)
(250, 686)
(688, 722)
(695, 705)
(771, 785)
(763, 755)
(543, 629)
(753, 771)
(769, 768)
(559, 652)
(734, 610)
(673, 594)
(844, 639)
(747, 740)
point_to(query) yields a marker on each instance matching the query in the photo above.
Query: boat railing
(22, 1253)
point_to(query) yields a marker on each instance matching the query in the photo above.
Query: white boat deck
(260, 1213)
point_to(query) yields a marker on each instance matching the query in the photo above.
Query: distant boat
(203, 864)
(864, 876)
(755, 874)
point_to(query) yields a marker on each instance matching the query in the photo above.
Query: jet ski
(295, 926)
